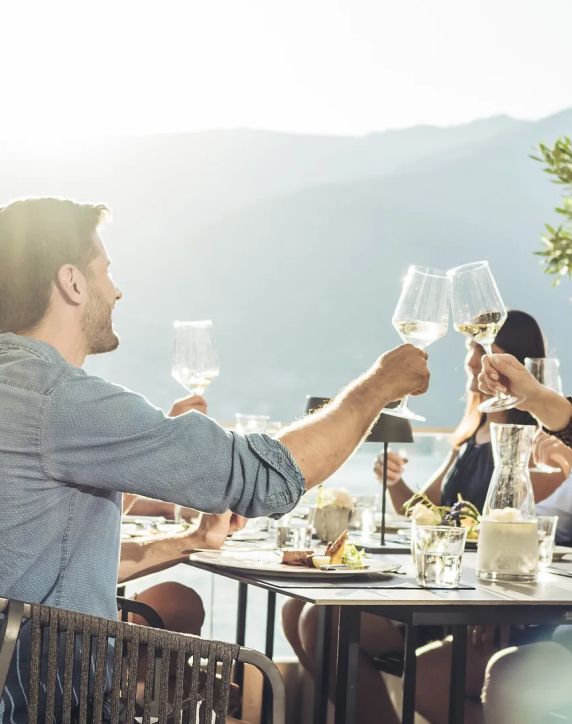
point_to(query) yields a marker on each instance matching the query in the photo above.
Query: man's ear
(71, 284)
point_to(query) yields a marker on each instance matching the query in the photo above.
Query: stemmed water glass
(547, 371)
(195, 361)
(479, 313)
(421, 317)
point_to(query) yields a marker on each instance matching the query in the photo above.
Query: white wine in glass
(195, 361)
(547, 371)
(479, 313)
(421, 317)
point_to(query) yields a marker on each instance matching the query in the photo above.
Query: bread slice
(336, 549)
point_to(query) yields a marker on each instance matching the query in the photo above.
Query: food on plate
(342, 552)
(463, 513)
(298, 558)
(354, 557)
(336, 549)
(339, 553)
(319, 561)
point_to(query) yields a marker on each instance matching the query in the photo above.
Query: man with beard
(71, 443)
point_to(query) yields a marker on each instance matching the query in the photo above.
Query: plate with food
(340, 559)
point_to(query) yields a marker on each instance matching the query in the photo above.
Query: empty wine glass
(195, 361)
(547, 371)
(479, 313)
(421, 317)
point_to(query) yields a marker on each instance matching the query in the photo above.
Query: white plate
(249, 535)
(393, 522)
(560, 552)
(146, 520)
(268, 562)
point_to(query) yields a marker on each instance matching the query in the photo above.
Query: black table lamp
(388, 429)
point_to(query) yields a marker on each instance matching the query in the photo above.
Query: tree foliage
(557, 251)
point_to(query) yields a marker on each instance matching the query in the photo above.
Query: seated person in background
(71, 443)
(526, 684)
(466, 471)
(552, 451)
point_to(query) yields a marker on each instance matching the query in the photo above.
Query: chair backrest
(83, 669)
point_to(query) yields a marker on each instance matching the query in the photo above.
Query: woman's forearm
(399, 493)
(551, 409)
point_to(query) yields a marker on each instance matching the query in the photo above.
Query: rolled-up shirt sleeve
(98, 435)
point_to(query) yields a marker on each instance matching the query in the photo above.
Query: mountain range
(296, 245)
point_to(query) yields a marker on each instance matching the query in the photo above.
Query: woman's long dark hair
(522, 337)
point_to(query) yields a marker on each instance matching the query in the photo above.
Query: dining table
(396, 596)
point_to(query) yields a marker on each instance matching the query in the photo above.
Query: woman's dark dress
(470, 475)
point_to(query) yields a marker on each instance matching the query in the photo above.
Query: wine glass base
(544, 469)
(403, 412)
(499, 404)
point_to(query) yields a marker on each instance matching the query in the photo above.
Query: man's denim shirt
(71, 443)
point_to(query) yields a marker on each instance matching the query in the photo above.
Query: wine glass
(421, 317)
(479, 313)
(547, 371)
(195, 361)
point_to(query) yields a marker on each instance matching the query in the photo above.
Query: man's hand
(214, 529)
(404, 371)
(395, 466)
(186, 404)
(504, 373)
(237, 522)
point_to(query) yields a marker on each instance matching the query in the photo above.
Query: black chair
(125, 606)
(80, 652)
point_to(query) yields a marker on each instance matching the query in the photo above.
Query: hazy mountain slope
(301, 276)
(302, 287)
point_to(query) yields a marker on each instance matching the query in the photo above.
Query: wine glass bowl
(479, 313)
(421, 317)
(195, 361)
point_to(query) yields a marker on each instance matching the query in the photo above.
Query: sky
(72, 69)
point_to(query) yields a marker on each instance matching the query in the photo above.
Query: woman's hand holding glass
(504, 373)
(395, 467)
(553, 453)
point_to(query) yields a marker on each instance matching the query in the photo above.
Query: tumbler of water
(438, 555)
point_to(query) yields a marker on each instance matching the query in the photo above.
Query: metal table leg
(241, 634)
(458, 670)
(322, 673)
(269, 651)
(409, 674)
(348, 658)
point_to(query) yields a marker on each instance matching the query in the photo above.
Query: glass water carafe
(508, 538)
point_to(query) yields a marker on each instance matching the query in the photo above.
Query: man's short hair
(37, 237)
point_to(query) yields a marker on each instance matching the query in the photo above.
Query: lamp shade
(387, 428)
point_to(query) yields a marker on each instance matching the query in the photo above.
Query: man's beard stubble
(97, 325)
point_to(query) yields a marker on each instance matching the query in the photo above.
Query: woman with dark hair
(468, 468)
(466, 471)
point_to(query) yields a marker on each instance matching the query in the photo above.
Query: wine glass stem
(489, 350)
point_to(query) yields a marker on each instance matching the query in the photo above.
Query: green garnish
(353, 558)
